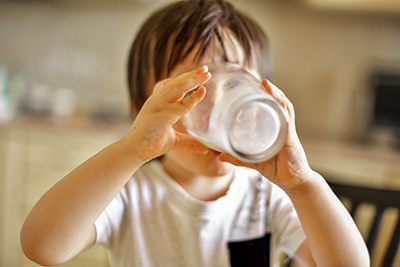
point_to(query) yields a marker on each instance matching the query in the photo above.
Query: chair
(381, 199)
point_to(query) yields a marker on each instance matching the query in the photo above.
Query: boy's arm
(332, 236)
(61, 224)
(63, 219)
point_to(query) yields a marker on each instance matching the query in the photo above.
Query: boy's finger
(176, 90)
(279, 96)
(186, 104)
(185, 86)
(182, 83)
(274, 91)
(161, 84)
(196, 72)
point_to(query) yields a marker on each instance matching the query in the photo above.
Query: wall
(321, 58)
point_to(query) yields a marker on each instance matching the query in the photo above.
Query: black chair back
(381, 199)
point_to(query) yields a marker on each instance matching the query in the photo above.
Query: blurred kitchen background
(64, 94)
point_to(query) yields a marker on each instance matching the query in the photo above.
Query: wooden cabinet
(33, 157)
(12, 161)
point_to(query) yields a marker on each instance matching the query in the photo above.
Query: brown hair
(170, 34)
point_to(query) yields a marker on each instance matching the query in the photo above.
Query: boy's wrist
(309, 181)
(129, 150)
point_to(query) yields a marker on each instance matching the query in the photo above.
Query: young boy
(192, 206)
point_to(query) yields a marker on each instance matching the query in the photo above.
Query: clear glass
(237, 116)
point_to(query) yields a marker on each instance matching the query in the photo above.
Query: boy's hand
(152, 133)
(289, 167)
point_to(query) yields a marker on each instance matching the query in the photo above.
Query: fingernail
(207, 76)
(202, 70)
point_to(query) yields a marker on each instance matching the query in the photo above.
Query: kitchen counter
(46, 123)
(359, 164)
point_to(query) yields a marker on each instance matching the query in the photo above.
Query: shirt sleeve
(287, 230)
(110, 220)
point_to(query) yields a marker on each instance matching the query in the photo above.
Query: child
(192, 206)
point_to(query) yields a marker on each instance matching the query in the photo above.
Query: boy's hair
(170, 34)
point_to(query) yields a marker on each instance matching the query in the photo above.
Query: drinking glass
(237, 116)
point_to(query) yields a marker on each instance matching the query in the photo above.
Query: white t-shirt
(153, 221)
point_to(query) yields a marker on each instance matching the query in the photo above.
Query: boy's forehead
(188, 64)
(234, 53)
